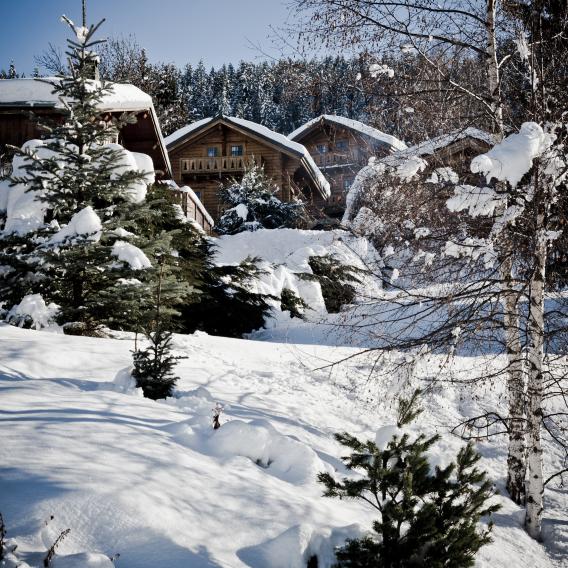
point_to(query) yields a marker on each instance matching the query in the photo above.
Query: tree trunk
(535, 481)
(516, 457)
(493, 68)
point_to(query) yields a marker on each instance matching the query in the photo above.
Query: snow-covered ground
(154, 482)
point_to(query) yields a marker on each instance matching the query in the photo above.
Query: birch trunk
(516, 456)
(493, 77)
(535, 481)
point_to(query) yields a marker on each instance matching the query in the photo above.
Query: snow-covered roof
(122, 97)
(279, 139)
(359, 127)
(37, 92)
(429, 147)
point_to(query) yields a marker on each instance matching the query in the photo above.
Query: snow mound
(285, 253)
(86, 223)
(131, 255)
(259, 441)
(32, 309)
(295, 546)
(82, 560)
(385, 434)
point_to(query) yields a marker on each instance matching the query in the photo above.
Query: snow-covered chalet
(24, 101)
(340, 147)
(211, 151)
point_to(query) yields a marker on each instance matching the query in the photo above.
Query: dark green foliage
(408, 409)
(290, 302)
(252, 204)
(426, 518)
(227, 306)
(336, 281)
(154, 366)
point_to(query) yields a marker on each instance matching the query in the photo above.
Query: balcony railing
(216, 164)
(331, 159)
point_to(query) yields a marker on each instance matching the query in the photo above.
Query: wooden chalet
(214, 150)
(340, 147)
(24, 101)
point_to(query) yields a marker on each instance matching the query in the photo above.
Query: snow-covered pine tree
(252, 205)
(427, 517)
(81, 185)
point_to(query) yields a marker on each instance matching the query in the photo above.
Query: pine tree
(253, 205)
(154, 365)
(426, 518)
(84, 184)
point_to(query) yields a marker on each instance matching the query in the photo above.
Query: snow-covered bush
(32, 311)
(253, 204)
(336, 280)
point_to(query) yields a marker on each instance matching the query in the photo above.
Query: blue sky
(177, 31)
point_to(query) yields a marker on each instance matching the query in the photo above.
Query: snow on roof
(36, 92)
(261, 131)
(364, 129)
(39, 93)
(429, 147)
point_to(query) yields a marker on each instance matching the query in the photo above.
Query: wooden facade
(218, 150)
(18, 119)
(340, 148)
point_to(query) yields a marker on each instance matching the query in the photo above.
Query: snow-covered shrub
(427, 516)
(253, 204)
(32, 311)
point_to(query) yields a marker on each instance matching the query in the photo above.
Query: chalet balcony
(331, 159)
(218, 164)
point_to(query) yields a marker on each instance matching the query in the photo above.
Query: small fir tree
(252, 205)
(426, 518)
(154, 365)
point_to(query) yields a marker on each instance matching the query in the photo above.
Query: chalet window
(321, 148)
(198, 194)
(342, 145)
(347, 183)
(212, 151)
(237, 150)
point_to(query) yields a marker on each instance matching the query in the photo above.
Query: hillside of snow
(154, 482)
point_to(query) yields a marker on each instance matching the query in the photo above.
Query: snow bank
(131, 255)
(82, 560)
(114, 467)
(294, 547)
(258, 440)
(285, 253)
(32, 309)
